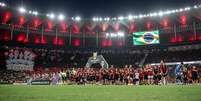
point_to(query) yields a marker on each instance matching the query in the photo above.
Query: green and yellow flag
(145, 38)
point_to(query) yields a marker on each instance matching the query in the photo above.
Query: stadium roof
(91, 8)
(134, 15)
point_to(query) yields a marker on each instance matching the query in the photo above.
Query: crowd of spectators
(60, 58)
(173, 56)
(11, 76)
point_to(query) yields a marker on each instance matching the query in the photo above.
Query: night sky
(90, 8)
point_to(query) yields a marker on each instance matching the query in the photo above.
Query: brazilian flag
(146, 38)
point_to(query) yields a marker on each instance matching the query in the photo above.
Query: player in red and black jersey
(157, 75)
(150, 74)
(141, 76)
(116, 76)
(194, 75)
(164, 72)
(145, 74)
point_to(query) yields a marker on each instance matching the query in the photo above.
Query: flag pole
(70, 28)
(194, 30)
(42, 32)
(97, 32)
(27, 34)
(12, 29)
(56, 35)
(175, 33)
(83, 40)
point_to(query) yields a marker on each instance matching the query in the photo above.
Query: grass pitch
(100, 93)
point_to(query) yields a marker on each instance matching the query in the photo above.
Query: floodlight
(130, 17)
(60, 17)
(181, 10)
(2, 4)
(120, 34)
(35, 13)
(120, 18)
(30, 12)
(22, 10)
(94, 19)
(77, 18)
(140, 16)
(160, 13)
(100, 19)
(195, 6)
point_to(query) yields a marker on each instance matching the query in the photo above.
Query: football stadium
(127, 52)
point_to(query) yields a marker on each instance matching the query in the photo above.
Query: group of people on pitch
(186, 75)
(148, 75)
(127, 75)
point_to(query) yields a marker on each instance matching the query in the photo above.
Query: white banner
(19, 59)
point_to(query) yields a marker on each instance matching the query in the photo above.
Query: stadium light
(107, 34)
(121, 18)
(52, 16)
(135, 17)
(35, 13)
(100, 19)
(77, 18)
(187, 8)
(195, 6)
(130, 17)
(173, 11)
(30, 12)
(144, 15)
(148, 15)
(94, 19)
(181, 10)
(60, 17)
(155, 14)
(2, 4)
(160, 13)
(140, 16)
(167, 12)
(114, 18)
(22, 10)
(107, 19)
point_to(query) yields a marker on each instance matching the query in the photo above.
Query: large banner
(146, 38)
(19, 59)
(97, 59)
